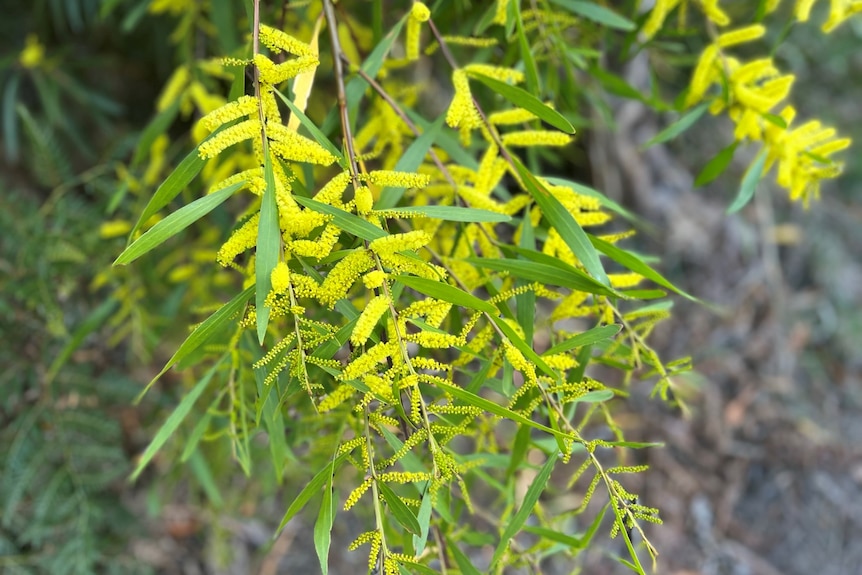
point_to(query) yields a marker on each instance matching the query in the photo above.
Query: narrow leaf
(348, 222)
(203, 333)
(596, 13)
(312, 128)
(635, 264)
(464, 562)
(749, 183)
(597, 396)
(588, 337)
(446, 292)
(545, 274)
(491, 407)
(174, 420)
(309, 491)
(603, 199)
(399, 509)
(268, 246)
(424, 518)
(184, 173)
(527, 101)
(323, 526)
(530, 499)
(453, 213)
(564, 223)
(685, 122)
(530, 73)
(175, 223)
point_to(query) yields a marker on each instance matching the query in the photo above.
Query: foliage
(424, 307)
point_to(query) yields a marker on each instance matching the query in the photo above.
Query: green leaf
(157, 126)
(453, 213)
(597, 396)
(464, 563)
(312, 128)
(174, 420)
(204, 476)
(411, 160)
(399, 509)
(203, 332)
(588, 337)
(175, 223)
(564, 223)
(530, 499)
(173, 185)
(309, 491)
(268, 247)
(596, 13)
(491, 407)
(323, 525)
(635, 264)
(424, 518)
(519, 450)
(527, 101)
(348, 222)
(685, 122)
(446, 292)
(545, 274)
(749, 183)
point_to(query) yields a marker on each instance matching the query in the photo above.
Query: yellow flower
(740, 36)
(273, 73)
(340, 279)
(295, 148)
(114, 229)
(368, 320)
(280, 278)
(33, 53)
(840, 11)
(242, 239)
(496, 72)
(536, 138)
(279, 41)
(242, 106)
(418, 14)
(228, 137)
(400, 242)
(393, 179)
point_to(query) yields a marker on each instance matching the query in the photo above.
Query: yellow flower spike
(341, 278)
(391, 244)
(703, 75)
(374, 279)
(461, 109)
(368, 320)
(536, 138)
(254, 181)
(500, 12)
(280, 278)
(296, 148)
(507, 117)
(394, 179)
(332, 192)
(270, 106)
(778, 88)
(740, 36)
(496, 72)
(242, 239)
(217, 144)
(242, 106)
(802, 10)
(839, 12)
(363, 200)
(714, 13)
(368, 360)
(753, 71)
(829, 148)
(418, 14)
(174, 88)
(114, 229)
(272, 73)
(657, 17)
(279, 41)
(33, 53)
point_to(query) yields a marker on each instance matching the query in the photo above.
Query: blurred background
(763, 476)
